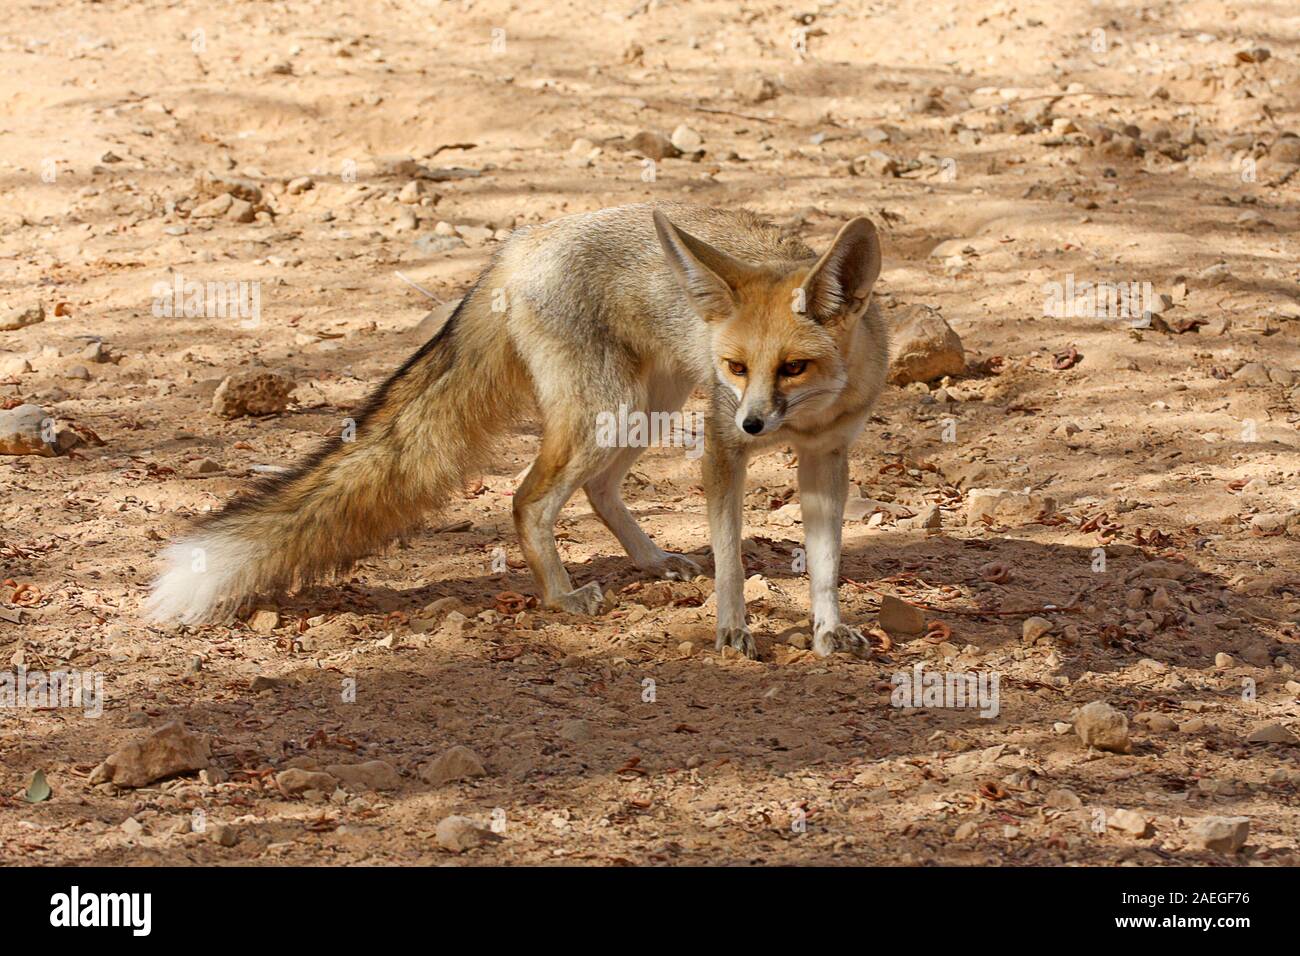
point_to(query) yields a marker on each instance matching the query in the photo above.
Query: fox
(635, 306)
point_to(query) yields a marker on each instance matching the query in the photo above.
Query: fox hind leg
(562, 466)
(606, 499)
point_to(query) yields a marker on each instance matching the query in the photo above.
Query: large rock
(259, 392)
(23, 431)
(925, 348)
(170, 751)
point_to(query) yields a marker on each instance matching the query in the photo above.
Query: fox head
(780, 330)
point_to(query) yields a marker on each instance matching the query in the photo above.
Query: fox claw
(739, 638)
(675, 567)
(841, 638)
(585, 600)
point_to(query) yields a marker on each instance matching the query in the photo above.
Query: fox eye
(737, 368)
(791, 369)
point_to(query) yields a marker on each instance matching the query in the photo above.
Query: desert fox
(630, 306)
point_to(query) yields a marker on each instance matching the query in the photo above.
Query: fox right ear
(707, 275)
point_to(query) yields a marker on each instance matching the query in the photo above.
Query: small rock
(214, 208)
(1064, 800)
(1271, 734)
(576, 731)
(299, 185)
(264, 620)
(258, 392)
(1223, 661)
(132, 827)
(756, 89)
(687, 140)
(1006, 506)
(205, 466)
(169, 751)
(654, 146)
(458, 763)
(459, 834)
(899, 617)
(1221, 834)
(1101, 726)
(925, 348)
(14, 319)
(1131, 822)
(240, 210)
(1035, 628)
(370, 775)
(295, 781)
(756, 589)
(222, 834)
(23, 430)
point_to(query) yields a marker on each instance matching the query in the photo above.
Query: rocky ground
(1097, 504)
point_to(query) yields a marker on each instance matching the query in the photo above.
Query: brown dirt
(729, 755)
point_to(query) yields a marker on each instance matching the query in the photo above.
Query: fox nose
(753, 424)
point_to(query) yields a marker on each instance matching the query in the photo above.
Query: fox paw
(585, 600)
(841, 638)
(739, 638)
(674, 567)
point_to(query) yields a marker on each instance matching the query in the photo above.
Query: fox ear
(838, 285)
(708, 276)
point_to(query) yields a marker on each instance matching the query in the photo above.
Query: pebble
(925, 348)
(13, 319)
(1273, 733)
(1131, 822)
(222, 834)
(1221, 834)
(576, 731)
(214, 208)
(458, 834)
(370, 775)
(22, 432)
(458, 763)
(1005, 505)
(899, 617)
(296, 780)
(1034, 629)
(1101, 726)
(653, 145)
(264, 620)
(257, 392)
(687, 140)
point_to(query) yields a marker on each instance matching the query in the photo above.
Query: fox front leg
(724, 485)
(823, 486)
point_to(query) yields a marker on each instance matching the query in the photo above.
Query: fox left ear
(839, 284)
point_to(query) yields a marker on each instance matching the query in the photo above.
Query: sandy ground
(626, 738)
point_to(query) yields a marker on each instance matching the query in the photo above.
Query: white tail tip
(204, 578)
